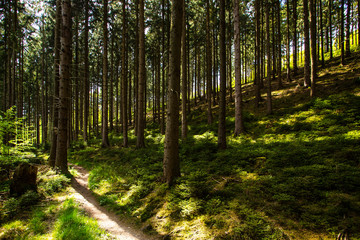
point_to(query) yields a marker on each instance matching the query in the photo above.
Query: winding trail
(106, 220)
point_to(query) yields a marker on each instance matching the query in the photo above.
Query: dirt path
(106, 220)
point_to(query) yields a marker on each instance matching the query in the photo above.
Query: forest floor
(107, 220)
(293, 175)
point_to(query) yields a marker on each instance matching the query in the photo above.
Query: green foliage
(73, 224)
(51, 182)
(13, 206)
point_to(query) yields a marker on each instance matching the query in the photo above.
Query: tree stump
(24, 179)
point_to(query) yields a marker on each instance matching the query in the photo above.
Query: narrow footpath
(106, 220)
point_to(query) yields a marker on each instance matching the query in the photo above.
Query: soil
(109, 221)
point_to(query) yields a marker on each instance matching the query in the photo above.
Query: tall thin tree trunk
(171, 163)
(208, 64)
(86, 72)
(348, 23)
(184, 80)
(278, 4)
(330, 29)
(64, 88)
(288, 78)
(295, 43)
(257, 53)
(269, 100)
(307, 44)
(55, 105)
(222, 103)
(140, 141)
(104, 90)
(322, 34)
(312, 7)
(342, 37)
(239, 124)
(124, 79)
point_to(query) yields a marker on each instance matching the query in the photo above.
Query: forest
(179, 119)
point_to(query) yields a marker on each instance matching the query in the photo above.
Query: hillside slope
(294, 174)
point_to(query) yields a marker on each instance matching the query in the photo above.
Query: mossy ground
(294, 174)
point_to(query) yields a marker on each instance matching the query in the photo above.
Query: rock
(24, 179)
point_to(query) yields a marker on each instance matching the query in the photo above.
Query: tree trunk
(124, 79)
(348, 23)
(64, 88)
(140, 140)
(184, 129)
(312, 7)
(104, 90)
(257, 53)
(171, 149)
(208, 64)
(295, 43)
(306, 44)
(322, 35)
(342, 38)
(86, 73)
(239, 124)
(222, 104)
(330, 29)
(269, 100)
(278, 3)
(288, 78)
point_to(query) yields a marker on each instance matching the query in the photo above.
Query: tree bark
(348, 23)
(64, 88)
(104, 90)
(86, 73)
(222, 104)
(295, 43)
(239, 124)
(184, 129)
(278, 3)
(288, 78)
(140, 140)
(342, 37)
(306, 44)
(269, 100)
(208, 64)
(124, 78)
(171, 164)
(257, 53)
(312, 7)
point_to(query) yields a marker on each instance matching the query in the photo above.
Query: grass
(40, 216)
(72, 223)
(293, 175)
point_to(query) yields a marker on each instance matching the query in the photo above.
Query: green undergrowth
(293, 175)
(33, 214)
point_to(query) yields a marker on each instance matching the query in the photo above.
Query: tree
(64, 87)
(306, 44)
(288, 78)
(222, 104)
(55, 110)
(342, 37)
(140, 140)
(124, 78)
(208, 63)
(267, 17)
(86, 72)
(104, 90)
(312, 7)
(184, 77)
(257, 53)
(171, 163)
(295, 49)
(348, 23)
(239, 124)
